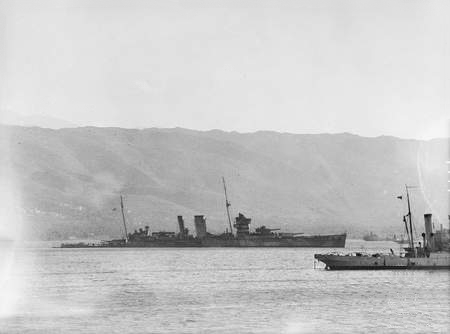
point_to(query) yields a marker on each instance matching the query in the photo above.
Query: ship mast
(227, 204)
(406, 228)
(123, 219)
(411, 237)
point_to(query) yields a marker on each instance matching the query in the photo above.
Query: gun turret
(265, 230)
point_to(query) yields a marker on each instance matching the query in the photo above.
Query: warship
(240, 236)
(431, 253)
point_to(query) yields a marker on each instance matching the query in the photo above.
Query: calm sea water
(45, 290)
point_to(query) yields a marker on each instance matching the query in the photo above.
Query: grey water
(50, 290)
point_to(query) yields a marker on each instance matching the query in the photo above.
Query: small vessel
(372, 237)
(433, 253)
(242, 237)
(375, 237)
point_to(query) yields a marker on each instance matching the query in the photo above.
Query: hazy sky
(366, 67)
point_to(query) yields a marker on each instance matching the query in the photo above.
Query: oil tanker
(238, 235)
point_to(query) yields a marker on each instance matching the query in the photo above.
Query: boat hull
(384, 262)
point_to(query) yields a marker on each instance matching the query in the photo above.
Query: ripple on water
(220, 291)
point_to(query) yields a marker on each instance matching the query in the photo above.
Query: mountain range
(70, 180)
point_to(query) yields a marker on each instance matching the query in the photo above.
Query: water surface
(218, 290)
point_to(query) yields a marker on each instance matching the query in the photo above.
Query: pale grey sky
(366, 67)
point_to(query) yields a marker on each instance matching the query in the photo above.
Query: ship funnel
(200, 226)
(181, 224)
(428, 231)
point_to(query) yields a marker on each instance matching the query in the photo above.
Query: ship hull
(385, 262)
(162, 243)
(138, 244)
(331, 241)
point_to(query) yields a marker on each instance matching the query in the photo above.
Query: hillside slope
(70, 179)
